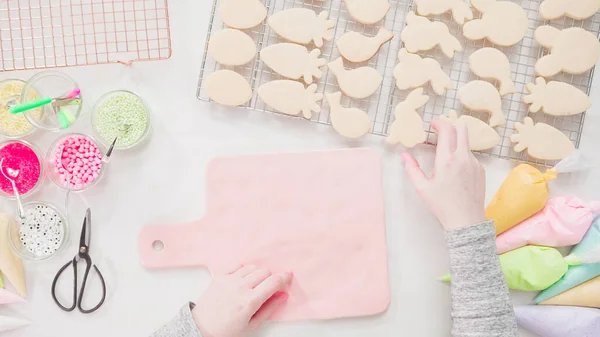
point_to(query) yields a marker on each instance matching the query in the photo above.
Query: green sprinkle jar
(123, 115)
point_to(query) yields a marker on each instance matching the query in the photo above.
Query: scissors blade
(84, 240)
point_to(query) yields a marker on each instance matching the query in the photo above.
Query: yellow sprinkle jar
(15, 125)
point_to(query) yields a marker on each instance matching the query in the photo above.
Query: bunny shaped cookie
(421, 34)
(407, 128)
(460, 10)
(414, 71)
(572, 50)
(503, 22)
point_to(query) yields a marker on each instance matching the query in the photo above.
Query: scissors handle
(78, 299)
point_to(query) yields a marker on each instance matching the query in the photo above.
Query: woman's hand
(237, 303)
(455, 193)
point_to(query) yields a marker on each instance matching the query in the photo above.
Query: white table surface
(163, 182)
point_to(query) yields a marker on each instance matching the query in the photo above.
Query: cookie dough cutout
(420, 34)
(490, 63)
(503, 22)
(482, 96)
(228, 88)
(291, 98)
(302, 25)
(407, 128)
(357, 83)
(461, 12)
(413, 71)
(556, 98)
(293, 61)
(541, 140)
(572, 50)
(348, 122)
(574, 9)
(242, 14)
(367, 12)
(357, 48)
(481, 136)
(231, 47)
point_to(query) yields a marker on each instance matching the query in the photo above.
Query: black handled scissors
(83, 254)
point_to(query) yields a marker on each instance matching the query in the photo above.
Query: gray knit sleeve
(481, 304)
(182, 325)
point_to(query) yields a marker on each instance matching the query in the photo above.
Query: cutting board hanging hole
(158, 245)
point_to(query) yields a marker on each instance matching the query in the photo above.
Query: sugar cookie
(572, 50)
(542, 141)
(490, 63)
(556, 98)
(356, 83)
(302, 25)
(231, 47)
(481, 136)
(229, 88)
(483, 96)
(355, 47)
(293, 61)
(421, 34)
(503, 22)
(407, 127)
(461, 12)
(367, 12)
(413, 71)
(291, 98)
(242, 14)
(348, 122)
(575, 9)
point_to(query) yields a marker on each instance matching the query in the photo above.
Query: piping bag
(563, 222)
(577, 274)
(531, 268)
(11, 264)
(586, 294)
(555, 321)
(525, 192)
(7, 297)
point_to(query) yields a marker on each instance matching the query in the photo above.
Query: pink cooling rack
(37, 34)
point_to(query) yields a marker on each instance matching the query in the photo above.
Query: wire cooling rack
(37, 34)
(381, 105)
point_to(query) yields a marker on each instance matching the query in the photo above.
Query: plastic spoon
(13, 174)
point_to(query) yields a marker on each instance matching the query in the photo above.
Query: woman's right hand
(455, 193)
(239, 302)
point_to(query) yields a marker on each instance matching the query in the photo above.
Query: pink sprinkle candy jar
(76, 159)
(24, 157)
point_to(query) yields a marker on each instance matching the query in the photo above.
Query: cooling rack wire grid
(381, 105)
(36, 34)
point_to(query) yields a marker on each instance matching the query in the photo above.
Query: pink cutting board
(319, 215)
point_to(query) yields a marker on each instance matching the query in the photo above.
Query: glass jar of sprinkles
(15, 125)
(76, 159)
(24, 157)
(40, 233)
(123, 115)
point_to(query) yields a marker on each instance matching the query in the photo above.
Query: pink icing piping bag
(563, 222)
